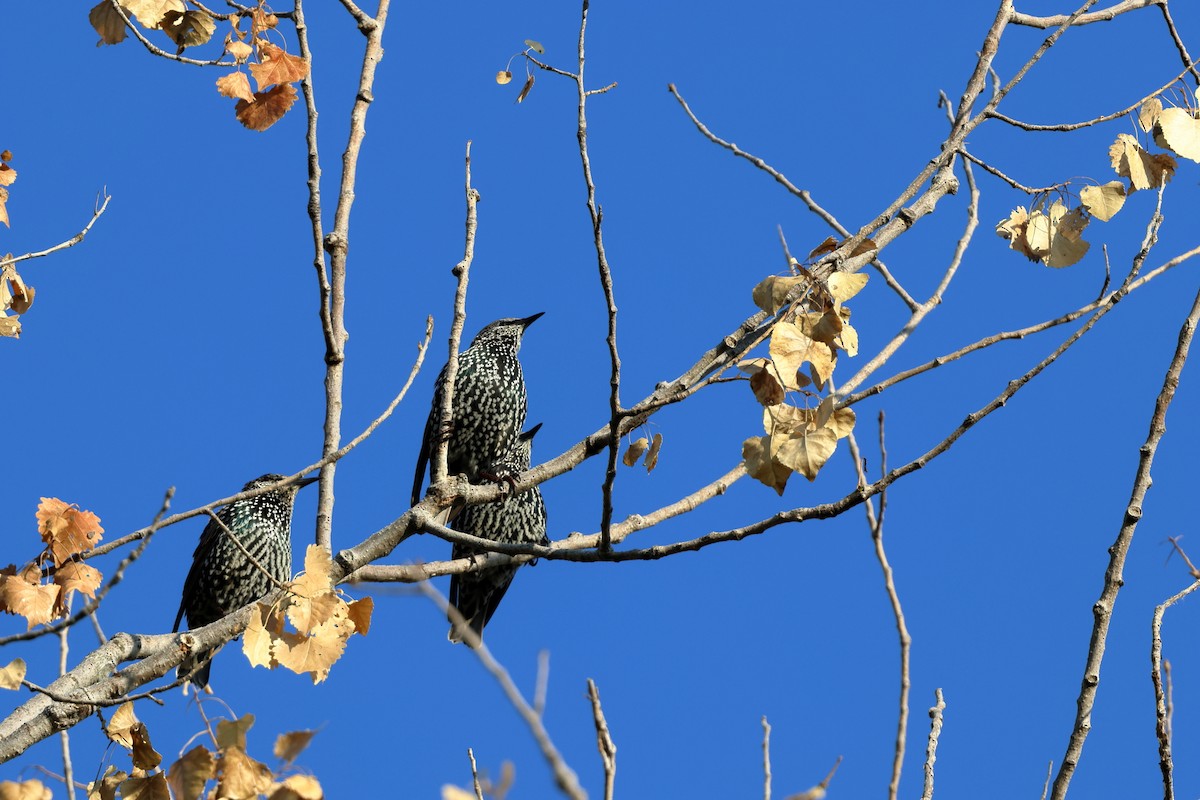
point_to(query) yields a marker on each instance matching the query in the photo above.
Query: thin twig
(1178, 40)
(1072, 126)
(935, 731)
(564, 777)
(616, 413)
(1162, 718)
(313, 164)
(475, 775)
(766, 747)
(604, 741)
(462, 272)
(65, 735)
(337, 244)
(74, 240)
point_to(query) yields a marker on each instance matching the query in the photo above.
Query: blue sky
(179, 345)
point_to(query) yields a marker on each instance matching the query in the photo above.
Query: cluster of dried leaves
(235, 773)
(1054, 235)
(273, 69)
(15, 295)
(812, 327)
(643, 445)
(67, 532)
(321, 618)
(505, 76)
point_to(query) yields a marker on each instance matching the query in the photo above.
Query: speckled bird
(222, 578)
(519, 519)
(489, 404)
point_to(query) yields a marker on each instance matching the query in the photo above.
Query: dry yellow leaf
(452, 792)
(75, 576)
(771, 293)
(525, 89)
(151, 12)
(8, 175)
(766, 387)
(240, 776)
(106, 787)
(1103, 202)
(188, 28)
(120, 724)
(276, 66)
(1143, 170)
(306, 613)
(314, 654)
(782, 421)
(635, 450)
(10, 326)
(848, 340)
(238, 49)
(652, 456)
(359, 613)
(791, 347)
(290, 745)
(1180, 132)
(233, 734)
(1065, 251)
(806, 454)
(150, 787)
(761, 466)
(827, 327)
(267, 107)
(66, 529)
(23, 298)
(145, 757)
(236, 85)
(503, 77)
(315, 580)
(188, 776)
(25, 596)
(828, 246)
(844, 285)
(12, 674)
(1148, 113)
(262, 20)
(256, 641)
(107, 22)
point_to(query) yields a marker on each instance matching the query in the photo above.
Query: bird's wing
(208, 540)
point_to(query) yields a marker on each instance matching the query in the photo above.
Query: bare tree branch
(337, 244)
(1162, 715)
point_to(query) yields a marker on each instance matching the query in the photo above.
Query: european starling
(488, 410)
(223, 578)
(519, 519)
